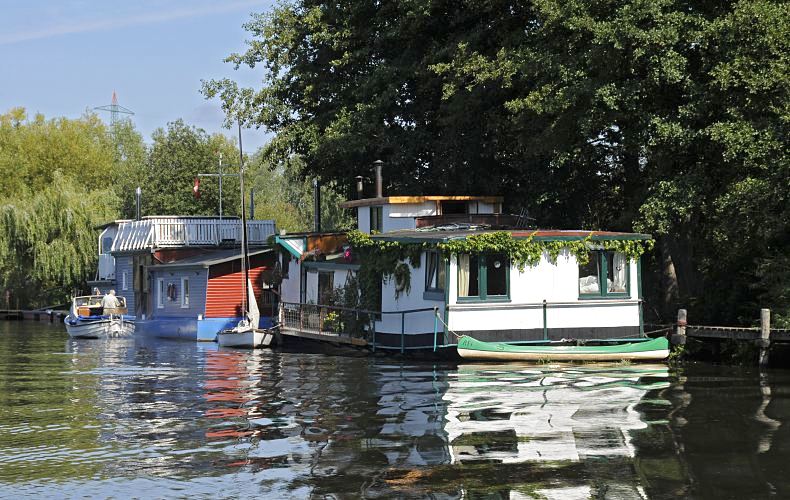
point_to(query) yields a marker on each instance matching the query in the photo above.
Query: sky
(63, 57)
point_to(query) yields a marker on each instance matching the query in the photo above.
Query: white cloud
(121, 21)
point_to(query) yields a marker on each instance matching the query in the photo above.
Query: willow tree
(48, 242)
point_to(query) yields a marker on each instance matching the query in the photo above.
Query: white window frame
(184, 292)
(160, 293)
(124, 282)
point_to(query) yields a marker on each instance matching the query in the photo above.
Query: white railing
(170, 232)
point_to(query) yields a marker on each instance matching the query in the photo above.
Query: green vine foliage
(381, 261)
(524, 252)
(389, 259)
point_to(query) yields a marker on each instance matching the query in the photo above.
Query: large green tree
(662, 116)
(283, 195)
(177, 155)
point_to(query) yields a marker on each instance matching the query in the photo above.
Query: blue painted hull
(190, 328)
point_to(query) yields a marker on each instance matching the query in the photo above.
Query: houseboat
(182, 276)
(577, 284)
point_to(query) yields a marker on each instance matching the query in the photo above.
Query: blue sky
(61, 57)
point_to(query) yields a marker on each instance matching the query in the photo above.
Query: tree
(48, 244)
(286, 198)
(176, 157)
(666, 116)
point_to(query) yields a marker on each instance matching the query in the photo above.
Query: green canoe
(647, 350)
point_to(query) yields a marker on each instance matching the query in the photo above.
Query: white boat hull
(99, 328)
(248, 339)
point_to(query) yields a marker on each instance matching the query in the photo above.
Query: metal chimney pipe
(316, 206)
(359, 187)
(137, 194)
(379, 181)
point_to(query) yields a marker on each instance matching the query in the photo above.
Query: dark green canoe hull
(648, 350)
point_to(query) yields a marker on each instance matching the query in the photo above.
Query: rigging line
(447, 326)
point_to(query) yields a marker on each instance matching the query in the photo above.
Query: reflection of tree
(49, 416)
(726, 420)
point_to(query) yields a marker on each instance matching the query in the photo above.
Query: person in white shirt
(110, 301)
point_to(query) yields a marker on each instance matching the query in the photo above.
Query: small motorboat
(626, 350)
(88, 319)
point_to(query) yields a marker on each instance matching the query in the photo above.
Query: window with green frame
(606, 267)
(483, 277)
(434, 272)
(376, 219)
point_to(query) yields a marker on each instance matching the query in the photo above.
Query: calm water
(153, 418)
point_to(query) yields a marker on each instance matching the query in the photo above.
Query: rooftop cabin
(393, 213)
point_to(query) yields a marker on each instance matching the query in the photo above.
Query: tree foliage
(48, 240)
(282, 195)
(669, 117)
(177, 155)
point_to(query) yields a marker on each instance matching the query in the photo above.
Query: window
(184, 293)
(609, 268)
(376, 219)
(483, 277)
(326, 287)
(124, 282)
(454, 207)
(434, 272)
(160, 296)
(285, 264)
(106, 244)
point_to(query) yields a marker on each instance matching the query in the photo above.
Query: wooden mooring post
(679, 337)
(764, 342)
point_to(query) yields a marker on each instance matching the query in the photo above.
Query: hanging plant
(524, 252)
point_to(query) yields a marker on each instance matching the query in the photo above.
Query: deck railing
(338, 321)
(171, 232)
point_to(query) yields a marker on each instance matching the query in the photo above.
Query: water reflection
(106, 418)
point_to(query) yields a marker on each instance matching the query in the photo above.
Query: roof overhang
(207, 262)
(415, 236)
(404, 200)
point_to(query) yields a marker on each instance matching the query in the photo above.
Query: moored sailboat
(246, 333)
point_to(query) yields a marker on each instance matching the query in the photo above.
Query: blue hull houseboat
(182, 276)
(457, 266)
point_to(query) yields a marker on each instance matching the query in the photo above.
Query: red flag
(196, 188)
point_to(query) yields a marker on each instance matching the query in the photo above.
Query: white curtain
(463, 275)
(619, 262)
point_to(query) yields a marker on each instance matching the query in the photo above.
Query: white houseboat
(450, 293)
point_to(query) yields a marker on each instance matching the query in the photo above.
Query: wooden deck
(324, 337)
(20, 314)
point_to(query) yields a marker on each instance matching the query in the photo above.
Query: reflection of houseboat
(182, 276)
(87, 318)
(482, 294)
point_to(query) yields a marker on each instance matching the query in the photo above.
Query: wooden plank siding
(123, 264)
(197, 292)
(224, 294)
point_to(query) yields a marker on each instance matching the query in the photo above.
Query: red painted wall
(225, 286)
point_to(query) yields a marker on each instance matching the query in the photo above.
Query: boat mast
(244, 255)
